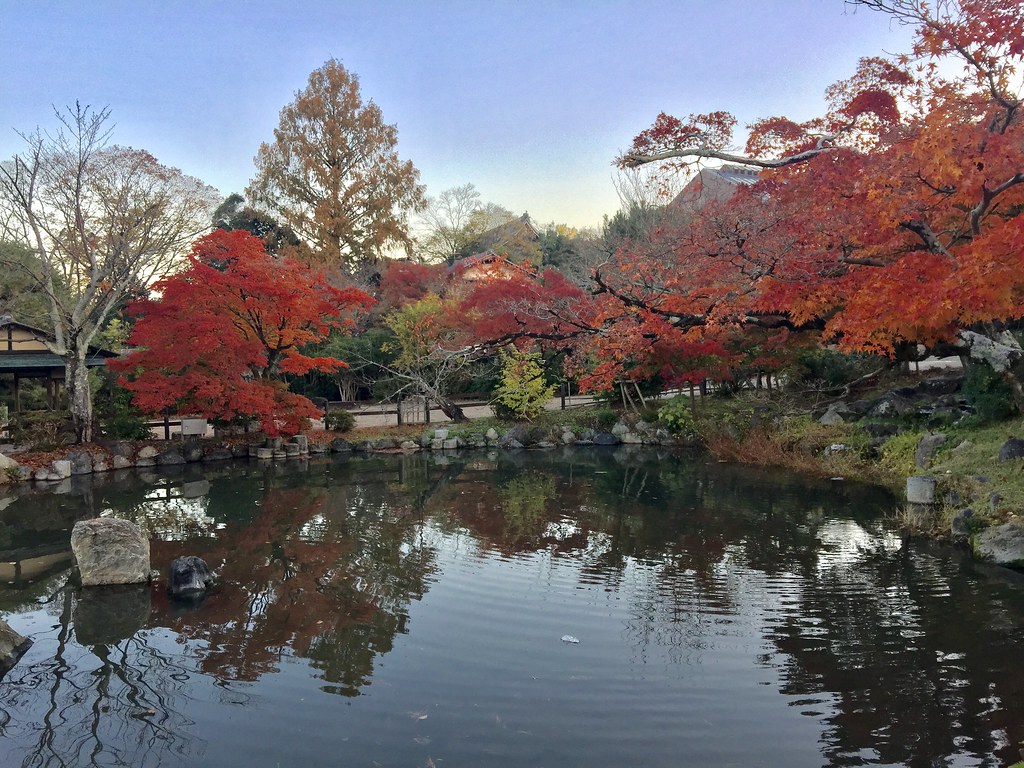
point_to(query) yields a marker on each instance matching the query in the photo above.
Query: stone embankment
(128, 454)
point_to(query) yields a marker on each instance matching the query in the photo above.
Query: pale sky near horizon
(530, 101)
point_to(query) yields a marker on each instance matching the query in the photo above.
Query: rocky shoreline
(127, 454)
(1001, 544)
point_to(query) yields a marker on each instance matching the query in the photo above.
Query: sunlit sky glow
(529, 101)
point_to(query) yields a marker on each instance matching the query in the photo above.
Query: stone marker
(921, 489)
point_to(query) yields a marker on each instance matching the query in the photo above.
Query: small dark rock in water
(1012, 449)
(189, 577)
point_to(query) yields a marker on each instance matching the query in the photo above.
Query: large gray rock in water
(189, 577)
(12, 647)
(1001, 544)
(110, 551)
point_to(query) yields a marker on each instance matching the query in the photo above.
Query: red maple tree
(894, 219)
(218, 338)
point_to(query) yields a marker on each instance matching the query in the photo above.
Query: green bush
(119, 420)
(43, 430)
(989, 394)
(339, 420)
(605, 418)
(677, 415)
(522, 393)
(125, 426)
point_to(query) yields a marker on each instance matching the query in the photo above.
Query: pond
(582, 607)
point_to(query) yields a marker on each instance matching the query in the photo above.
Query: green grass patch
(968, 464)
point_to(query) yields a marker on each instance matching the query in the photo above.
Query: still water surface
(397, 611)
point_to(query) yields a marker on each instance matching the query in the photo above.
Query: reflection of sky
(168, 516)
(845, 542)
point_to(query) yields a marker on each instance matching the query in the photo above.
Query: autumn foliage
(893, 219)
(218, 338)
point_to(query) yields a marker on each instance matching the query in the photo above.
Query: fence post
(426, 410)
(398, 409)
(167, 426)
(561, 391)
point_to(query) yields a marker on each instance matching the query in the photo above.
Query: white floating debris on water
(570, 639)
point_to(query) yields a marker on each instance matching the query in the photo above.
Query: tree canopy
(103, 222)
(218, 337)
(893, 219)
(333, 175)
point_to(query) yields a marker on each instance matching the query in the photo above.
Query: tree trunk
(450, 409)
(76, 379)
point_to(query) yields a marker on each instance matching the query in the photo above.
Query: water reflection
(895, 653)
(103, 700)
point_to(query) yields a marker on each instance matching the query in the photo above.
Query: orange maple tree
(218, 338)
(894, 219)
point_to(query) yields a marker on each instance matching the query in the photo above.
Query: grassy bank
(753, 429)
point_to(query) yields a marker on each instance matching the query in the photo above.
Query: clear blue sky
(529, 100)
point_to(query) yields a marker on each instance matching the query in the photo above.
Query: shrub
(605, 418)
(677, 415)
(339, 420)
(43, 430)
(119, 419)
(989, 394)
(522, 391)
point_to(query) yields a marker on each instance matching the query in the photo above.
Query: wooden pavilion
(24, 354)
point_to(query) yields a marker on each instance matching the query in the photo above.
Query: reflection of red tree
(271, 594)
